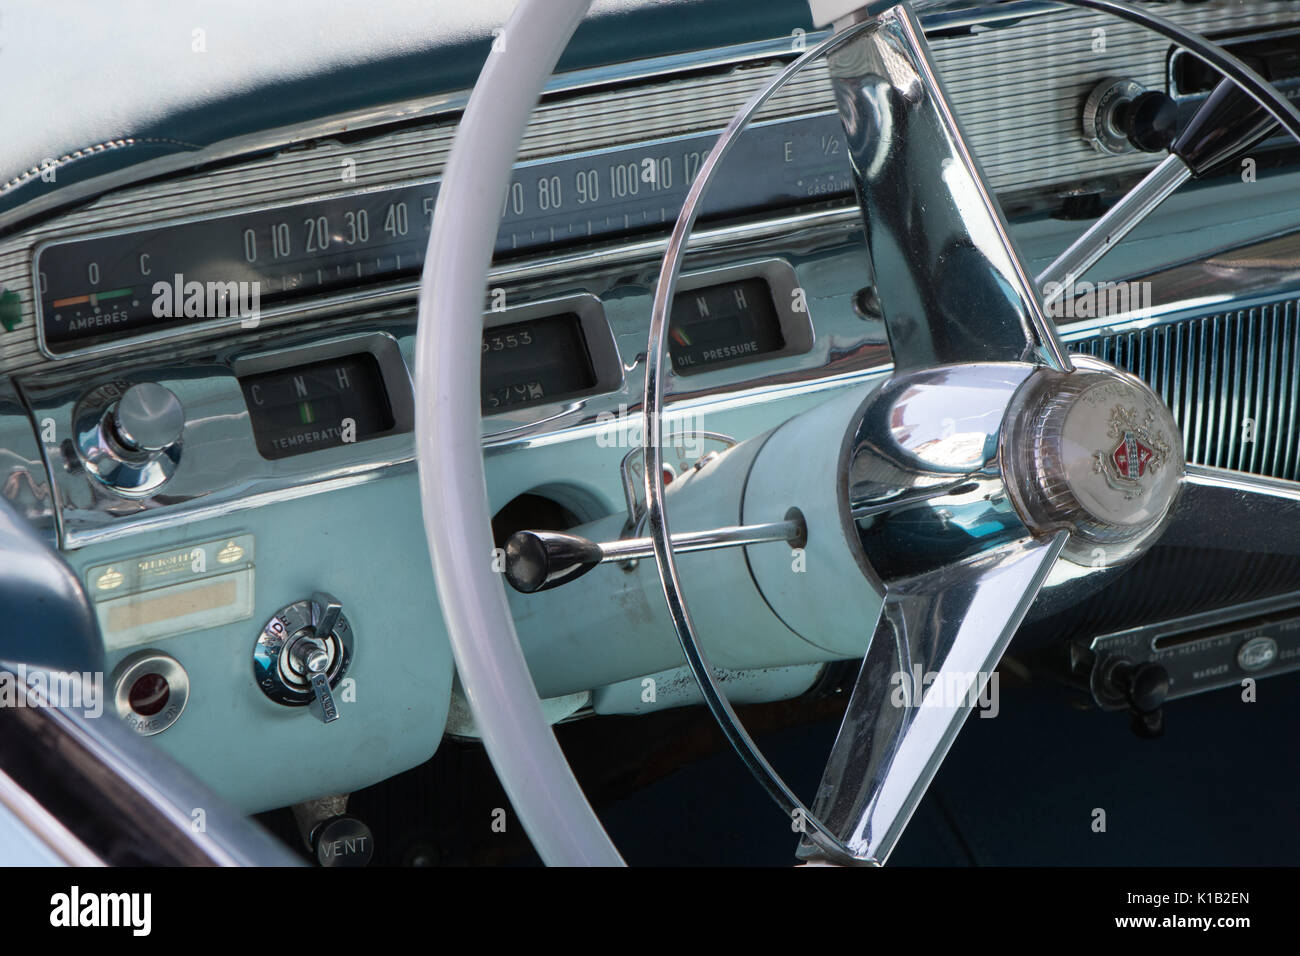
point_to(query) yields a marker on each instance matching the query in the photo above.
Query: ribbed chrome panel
(1018, 90)
(1232, 380)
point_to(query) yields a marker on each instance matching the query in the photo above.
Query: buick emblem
(1131, 457)
(1138, 448)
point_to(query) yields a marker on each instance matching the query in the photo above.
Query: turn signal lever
(1226, 124)
(540, 560)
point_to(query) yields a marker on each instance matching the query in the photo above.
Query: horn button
(1097, 453)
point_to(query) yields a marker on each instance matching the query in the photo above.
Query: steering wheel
(1015, 463)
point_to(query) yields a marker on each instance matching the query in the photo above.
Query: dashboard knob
(147, 418)
(1144, 687)
(1151, 121)
(343, 841)
(1122, 116)
(128, 436)
(303, 653)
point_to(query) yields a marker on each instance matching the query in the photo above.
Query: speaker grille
(1232, 380)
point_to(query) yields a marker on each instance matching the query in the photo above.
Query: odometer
(531, 363)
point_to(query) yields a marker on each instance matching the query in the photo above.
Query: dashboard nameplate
(165, 593)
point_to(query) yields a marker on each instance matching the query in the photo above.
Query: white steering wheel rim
(536, 776)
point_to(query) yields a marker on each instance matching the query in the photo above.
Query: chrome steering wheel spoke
(939, 638)
(951, 284)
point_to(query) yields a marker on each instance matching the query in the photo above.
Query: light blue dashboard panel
(366, 546)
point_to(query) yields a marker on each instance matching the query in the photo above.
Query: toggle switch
(303, 653)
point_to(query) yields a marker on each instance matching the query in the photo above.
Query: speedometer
(240, 266)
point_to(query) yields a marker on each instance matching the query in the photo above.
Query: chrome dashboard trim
(1236, 275)
(1202, 619)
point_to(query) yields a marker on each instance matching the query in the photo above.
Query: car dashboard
(261, 289)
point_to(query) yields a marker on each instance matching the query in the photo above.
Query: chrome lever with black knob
(1122, 116)
(541, 560)
(1225, 125)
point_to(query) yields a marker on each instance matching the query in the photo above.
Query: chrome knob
(128, 436)
(308, 655)
(303, 653)
(147, 418)
(1122, 116)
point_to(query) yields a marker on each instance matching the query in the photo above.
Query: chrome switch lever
(310, 657)
(303, 653)
(1225, 125)
(323, 705)
(325, 613)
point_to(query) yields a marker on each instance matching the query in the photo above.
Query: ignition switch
(1122, 116)
(303, 653)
